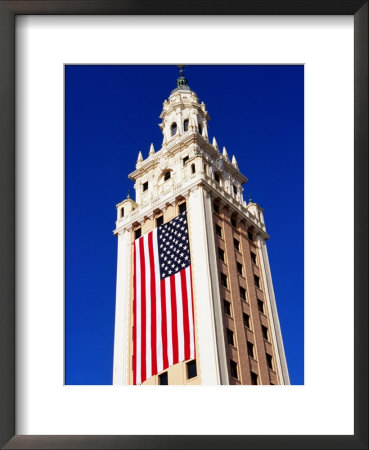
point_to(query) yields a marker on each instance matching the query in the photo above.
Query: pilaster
(122, 310)
(209, 329)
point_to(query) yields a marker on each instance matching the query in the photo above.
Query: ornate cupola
(183, 113)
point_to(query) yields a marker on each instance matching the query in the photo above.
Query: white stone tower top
(185, 159)
(186, 152)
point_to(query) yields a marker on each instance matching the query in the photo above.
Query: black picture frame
(8, 12)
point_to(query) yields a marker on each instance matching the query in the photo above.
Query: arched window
(185, 125)
(216, 178)
(193, 168)
(200, 128)
(167, 175)
(121, 212)
(173, 129)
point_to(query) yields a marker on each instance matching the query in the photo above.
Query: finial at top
(181, 80)
(250, 199)
(128, 196)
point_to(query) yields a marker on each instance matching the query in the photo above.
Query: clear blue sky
(111, 112)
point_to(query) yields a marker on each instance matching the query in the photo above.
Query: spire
(225, 154)
(152, 150)
(215, 143)
(139, 158)
(181, 80)
(234, 162)
(128, 196)
(250, 199)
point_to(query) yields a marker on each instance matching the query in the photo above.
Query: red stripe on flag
(154, 368)
(164, 325)
(193, 313)
(143, 310)
(134, 316)
(186, 324)
(174, 319)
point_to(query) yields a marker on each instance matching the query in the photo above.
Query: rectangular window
(216, 178)
(137, 233)
(250, 349)
(234, 370)
(253, 257)
(224, 280)
(250, 236)
(254, 378)
(230, 337)
(167, 176)
(227, 307)
(185, 159)
(239, 268)
(234, 190)
(236, 244)
(264, 330)
(218, 230)
(261, 306)
(191, 369)
(269, 361)
(145, 186)
(163, 378)
(221, 254)
(246, 320)
(257, 281)
(216, 207)
(242, 293)
(182, 207)
(233, 222)
(159, 221)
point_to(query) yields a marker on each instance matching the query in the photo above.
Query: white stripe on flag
(169, 320)
(190, 311)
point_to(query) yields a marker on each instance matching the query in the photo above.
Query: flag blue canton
(174, 250)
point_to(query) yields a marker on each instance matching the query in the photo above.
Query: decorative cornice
(184, 189)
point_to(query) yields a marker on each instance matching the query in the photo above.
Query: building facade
(237, 333)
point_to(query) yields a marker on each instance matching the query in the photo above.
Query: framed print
(40, 408)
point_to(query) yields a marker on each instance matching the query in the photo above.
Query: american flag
(163, 330)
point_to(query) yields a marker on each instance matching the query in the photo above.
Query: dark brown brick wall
(242, 334)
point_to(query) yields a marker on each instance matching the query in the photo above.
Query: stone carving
(163, 164)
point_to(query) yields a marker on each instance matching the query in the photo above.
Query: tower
(236, 326)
